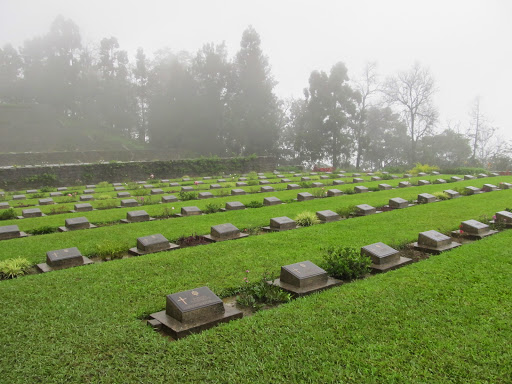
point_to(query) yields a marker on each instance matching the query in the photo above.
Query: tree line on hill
(208, 103)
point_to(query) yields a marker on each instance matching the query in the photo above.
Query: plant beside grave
(212, 208)
(185, 196)
(42, 230)
(254, 204)
(11, 268)
(103, 197)
(107, 204)
(345, 263)
(306, 219)
(8, 214)
(103, 184)
(425, 168)
(318, 193)
(441, 195)
(346, 212)
(57, 210)
(109, 250)
(255, 295)
(47, 189)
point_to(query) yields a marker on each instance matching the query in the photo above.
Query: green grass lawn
(443, 320)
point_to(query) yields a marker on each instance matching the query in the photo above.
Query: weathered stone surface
(305, 178)
(303, 196)
(404, 184)
(62, 189)
(453, 194)
(302, 275)
(361, 189)
(263, 182)
(241, 184)
(204, 195)
(187, 189)
(285, 180)
(424, 198)
(504, 185)
(338, 182)
(215, 186)
(482, 175)
(10, 232)
(334, 192)
(123, 194)
(324, 177)
(207, 178)
(472, 190)
(398, 203)
(282, 223)
(237, 192)
(455, 178)
(262, 177)
(495, 174)
(225, 231)
(242, 179)
(4, 205)
(474, 227)
(90, 186)
(385, 187)
(421, 174)
(435, 173)
(375, 178)
(357, 180)
(190, 211)
(129, 203)
(30, 191)
(267, 188)
(88, 191)
(32, 212)
(117, 184)
(439, 181)
(317, 185)
(137, 216)
(381, 253)
(86, 198)
(174, 184)
(327, 216)
(185, 179)
(504, 218)
(157, 191)
(489, 188)
(169, 199)
(356, 174)
(198, 182)
(433, 241)
(64, 258)
(153, 243)
(260, 174)
(141, 182)
(117, 189)
(234, 205)
(271, 201)
(293, 186)
(365, 210)
(164, 180)
(20, 197)
(47, 201)
(84, 207)
(469, 177)
(77, 223)
(423, 182)
(297, 175)
(407, 175)
(194, 306)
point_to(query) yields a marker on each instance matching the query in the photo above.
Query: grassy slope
(441, 320)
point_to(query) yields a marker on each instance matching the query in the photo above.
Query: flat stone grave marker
(267, 189)
(207, 178)
(185, 179)
(187, 189)
(356, 174)
(237, 192)
(324, 177)
(455, 178)
(334, 192)
(469, 177)
(242, 179)
(423, 182)
(305, 178)
(474, 229)
(404, 184)
(361, 189)
(86, 198)
(375, 178)
(425, 198)
(148, 186)
(482, 175)
(435, 173)
(91, 186)
(313, 173)
(282, 223)
(472, 190)
(4, 205)
(384, 258)
(453, 194)
(11, 232)
(198, 182)
(174, 184)
(267, 201)
(504, 185)
(204, 195)
(215, 186)
(76, 223)
(263, 182)
(241, 184)
(169, 199)
(293, 186)
(117, 184)
(119, 189)
(30, 191)
(328, 173)
(394, 177)
(303, 196)
(190, 211)
(62, 189)
(365, 210)
(164, 180)
(297, 175)
(223, 232)
(369, 174)
(152, 244)
(317, 185)
(260, 174)
(31, 212)
(504, 218)
(129, 203)
(495, 174)
(421, 174)
(285, 180)
(141, 182)
(304, 278)
(157, 191)
(407, 175)
(357, 180)
(262, 177)
(137, 217)
(434, 242)
(192, 311)
(123, 194)
(398, 203)
(47, 201)
(489, 188)
(63, 258)
(338, 182)
(439, 181)
(327, 216)
(385, 187)
(83, 207)
(234, 206)
(221, 180)
(279, 176)
(88, 191)
(20, 197)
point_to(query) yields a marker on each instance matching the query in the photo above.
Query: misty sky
(466, 44)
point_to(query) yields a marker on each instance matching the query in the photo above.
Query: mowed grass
(34, 248)
(446, 319)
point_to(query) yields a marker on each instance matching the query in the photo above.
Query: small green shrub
(12, 268)
(306, 219)
(256, 295)
(305, 184)
(7, 214)
(423, 168)
(47, 189)
(42, 230)
(185, 196)
(103, 197)
(441, 195)
(141, 192)
(254, 204)
(345, 263)
(110, 250)
(318, 193)
(37, 196)
(57, 210)
(212, 208)
(346, 211)
(103, 184)
(107, 204)
(252, 182)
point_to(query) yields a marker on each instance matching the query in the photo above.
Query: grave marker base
(271, 229)
(472, 236)
(433, 250)
(304, 291)
(66, 229)
(44, 267)
(137, 252)
(390, 266)
(125, 221)
(215, 240)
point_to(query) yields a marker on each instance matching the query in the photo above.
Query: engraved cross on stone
(296, 270)
(182, 300)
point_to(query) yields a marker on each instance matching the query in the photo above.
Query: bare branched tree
(480, 133)
(412, 92)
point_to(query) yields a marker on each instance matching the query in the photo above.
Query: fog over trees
(58, 94)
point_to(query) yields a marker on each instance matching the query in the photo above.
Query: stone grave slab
(117, 184)
(185, 179)
(190, 211)
(305, 178)
(504, 218)
(425, 198)
(204, 195)
(356, 180)
(394, 177)
(504, 185)
(237, 192)
(338, 182)
(234, 206)
(169, 199)
(421, 174)
(375, 178)
(62, 259)
(469, 177)
(88, 191)
(334, 192)
(407, 175)
(365, 210)
(327, 216)
(242, 179)
(473, 229)
(385, 187)
(423, 182)
(193, 311)
(157, 191)
(82, 207)
(76, 223)
(285, 180)
(293, 186)
(241, 184)
(472, 190)
(31, 212)
(304, 278)
(198, 182)
(47, 201)
(207, 178)
(489, 188)
(137, 217)
(313, 173)
(267, 201)
(174, 184)
(187, 189)
(324, 177)
(262, 177)
(279, 176)
(20, 197)
(224, 232)
(123, 194)
(267, 188)
(317, 185)
(453, 194)
(435, 173)
(129, 203)
(439, 181)
(4, 205)
(11, 232)
(356, 174)
(30, 191)
(404, 184)
(297, 175)
(361, 189)
(398, 203)
(221, 180)
(434, 242)
(164, 181)
(455, 178)
(62, 189)
(86, 198)
(260, 174)
(482, 175)
(215, 186)
(264, 182)
(303, 196)
(152, 244)
(384, 258)
(117, 189)
(495, 174)
(282, 223)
